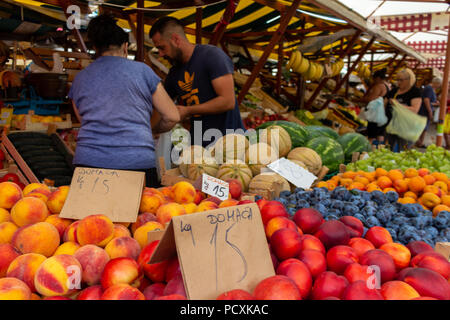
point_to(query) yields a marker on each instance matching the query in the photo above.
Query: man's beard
(177, 60)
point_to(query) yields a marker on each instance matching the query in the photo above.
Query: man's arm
(167, 110)
(225, 100)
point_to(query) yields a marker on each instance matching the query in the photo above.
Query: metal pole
(443, 109)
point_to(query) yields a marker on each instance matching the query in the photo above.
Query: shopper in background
(201, 79)
(409, 95)
(429, 100)
(115, 98)
(379, 88)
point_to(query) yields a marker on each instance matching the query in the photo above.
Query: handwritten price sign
(215, 187)
(219, 250)
(293, 173)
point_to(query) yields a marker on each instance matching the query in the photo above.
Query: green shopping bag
(405, 123)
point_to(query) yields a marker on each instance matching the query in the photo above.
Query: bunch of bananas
(336, 67)
(363, 71)
(309, 69)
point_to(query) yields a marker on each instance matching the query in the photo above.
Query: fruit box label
(218, 250)
(114, 193)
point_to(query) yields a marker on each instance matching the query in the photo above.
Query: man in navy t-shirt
(201, 80)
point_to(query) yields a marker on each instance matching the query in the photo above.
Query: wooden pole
(275, 39)
(198, 25)
(443, 107)
(347, 82)
(140, 52)
(221, 26)
(249, 56)
(279, 66)
(397, 66)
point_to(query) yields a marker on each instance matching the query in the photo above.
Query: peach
(93, 259)
(24, 267)
(122, 291)
(384, 182)
(42, 193)
(190, 208)
(7, 230)
(378, 236)
(206, 205)
(245, 202)
(398, 290)
(423, 172)
(429, 179)
(61, 224)
(121, 231)
(183, 192)
(285, 243)
(278, 223)
(35, 296)
(57, 199)
(339, 257)
(236, 294)
(142, 283)
(401, 186)
(175, 286)
(199, 197)
(165, 212)
(228, 203)
(361, 245)
(69, 247)
(141, 233)
(14, 289)
(262, 202)
(4, 215)
(154, 291)
(308, 219)
(272, 209)
(7, 254)
(70, 234)
(314, 260)
(332, 233)
(213, 199)
(410, 194)
(434, 261)
(417, 184)
(277, 288)
(173, 269)
(142, 219)
(150, 202)
(95, 229)
(427, 283)
(119, 270)
(329, 284)
(355, 272)
(91, 293)
(416, 247)
(58, 276)
(172, 297)
(399, 253)
(156, 271)
(382, 260)
(411, 173)
(167, 193)
(354, 226)
(441, 185)
(298, 272)
(29, 210)
(124, 247)
(33, 186)
(433, 189)
(41, 237)
(359, 290)
(10, 193)
(312, 243)
(235, 187)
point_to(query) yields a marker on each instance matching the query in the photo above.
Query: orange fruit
(349, 175)
(433, 189)
(410, 194)
(345, 182)
(440, 176)
(371, 176)
(406, 200)
(439, 208)
(416, 184)
(331, 185)
(430, 200)
(423, 172)
(335, 179)
(446, 200)
(429, 179)
(322, 184)
(388, 189)
(395, 174)
(400, 185)
(384, 182)
(372, 187)
(380, 172)
(357, 185)
(411, 173)
(361, 179)
(441, 185)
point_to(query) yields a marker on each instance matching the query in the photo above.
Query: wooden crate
(26, 123)
(171, 176)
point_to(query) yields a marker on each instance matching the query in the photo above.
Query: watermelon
(353, 142)
(297, 132)
(329, 150)
(321, 131)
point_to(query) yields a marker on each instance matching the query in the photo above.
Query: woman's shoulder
(415, 91)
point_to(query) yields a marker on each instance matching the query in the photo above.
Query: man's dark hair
(165, 23)
(380, 74)
(104, 32)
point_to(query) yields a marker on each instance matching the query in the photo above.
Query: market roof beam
(221, 26)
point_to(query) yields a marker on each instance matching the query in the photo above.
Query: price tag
(293, 173)
(215, 187)
(370, 168)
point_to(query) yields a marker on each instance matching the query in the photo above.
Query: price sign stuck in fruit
(215, 187)
(293, 173)
(219, 250)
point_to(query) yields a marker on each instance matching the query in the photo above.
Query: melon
(230, 147)
(330, 152)
(238, 170)
(354, 142)
(208, 166)
(321, 131)
(308, 157)
(259, 155)
(268, 185)
(278, 138)
(190, 155)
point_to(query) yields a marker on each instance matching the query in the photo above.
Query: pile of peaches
(431, 190)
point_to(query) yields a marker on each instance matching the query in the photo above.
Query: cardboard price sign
(215, 187)
(293, 173)
(114, 193)
(218, 250)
